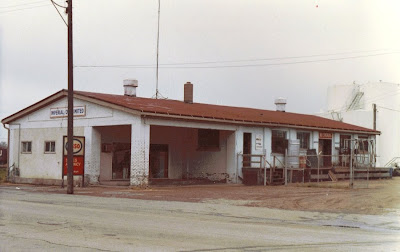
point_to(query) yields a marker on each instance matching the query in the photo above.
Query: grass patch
(3, 174)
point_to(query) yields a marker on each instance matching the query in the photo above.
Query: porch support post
(140, 146)
(92, 155)
(238, 151)
(231, 158)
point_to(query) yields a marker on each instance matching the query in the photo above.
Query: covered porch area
(115, 156)
(191, 155)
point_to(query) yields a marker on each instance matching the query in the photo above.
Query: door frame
(157, 149)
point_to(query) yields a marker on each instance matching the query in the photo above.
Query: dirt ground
(374, 197)
(3, 173)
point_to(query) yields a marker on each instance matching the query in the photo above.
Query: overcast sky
(257, 50)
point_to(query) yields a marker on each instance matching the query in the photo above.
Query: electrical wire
(275, 58)
(24, 4)
(20, 9)
(54, 4)
(234, 66)
(396, 110)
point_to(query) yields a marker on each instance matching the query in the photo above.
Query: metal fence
(314, 167)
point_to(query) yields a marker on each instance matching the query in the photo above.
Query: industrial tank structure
(371, 105)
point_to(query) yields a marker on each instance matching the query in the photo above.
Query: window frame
(208, 144)
(29, 143)
(365, 143)
(308, 140)
(50, 151)
(274, 139)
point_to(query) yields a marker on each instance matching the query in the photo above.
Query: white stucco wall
(38, 127)
(39, 164)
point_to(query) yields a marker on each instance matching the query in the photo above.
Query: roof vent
(130, 86)
(188, 92)
(280, 104)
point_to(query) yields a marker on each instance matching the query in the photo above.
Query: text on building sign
(325, 135)
(63, 112)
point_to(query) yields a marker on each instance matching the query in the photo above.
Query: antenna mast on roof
(157, 95)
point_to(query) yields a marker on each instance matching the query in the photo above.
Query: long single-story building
(137, 140)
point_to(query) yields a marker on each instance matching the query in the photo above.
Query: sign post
(78, 147)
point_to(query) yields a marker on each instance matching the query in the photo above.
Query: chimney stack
(188, 92)
(280, 104)
(130, 86)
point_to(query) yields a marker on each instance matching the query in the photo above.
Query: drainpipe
(8, 151)
(19, 143)
(265, 158)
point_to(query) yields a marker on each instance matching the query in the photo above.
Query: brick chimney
(188, 92)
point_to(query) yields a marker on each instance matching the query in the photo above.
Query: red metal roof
(226, 113)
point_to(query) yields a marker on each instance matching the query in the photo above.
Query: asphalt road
(58, 222)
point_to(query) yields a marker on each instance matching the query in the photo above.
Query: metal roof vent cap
(130, 86)
(188, 92)
(280, 104)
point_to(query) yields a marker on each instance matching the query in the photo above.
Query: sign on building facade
(79, 155)
(63, 112)
(325, 135)
(259, 141)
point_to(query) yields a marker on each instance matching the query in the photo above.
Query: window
(1, 153)
(279, 142)
(50, 147)
(208, 139)
(304, 138)
(26, 147)
(363, 144)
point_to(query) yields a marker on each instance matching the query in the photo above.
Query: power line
(396, 110)
(247, 60)
(54, 4)
(20, 9)
(275, 58)
(182, 65)
(24, 4)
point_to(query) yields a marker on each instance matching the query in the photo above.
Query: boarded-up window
(279, 142)
(208, 139)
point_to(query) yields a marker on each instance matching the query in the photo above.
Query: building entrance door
(121, 161)
(246, 149)
(158, 161)
(325, 145)
(344, 151)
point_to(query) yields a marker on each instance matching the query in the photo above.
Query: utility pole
(70, 134)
